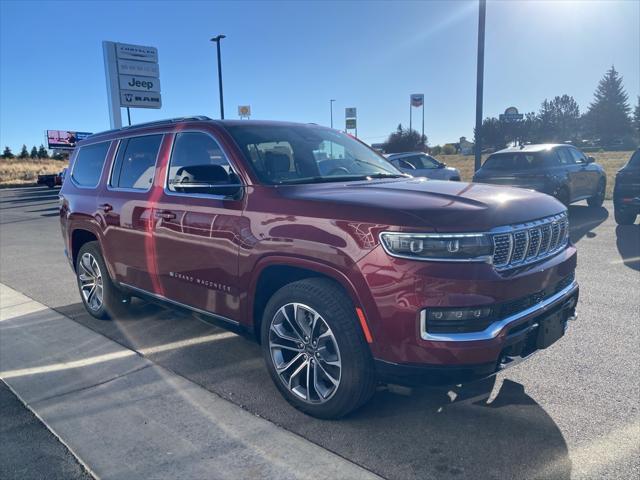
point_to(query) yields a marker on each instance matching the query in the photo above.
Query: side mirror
(590, 160)
(442, 165)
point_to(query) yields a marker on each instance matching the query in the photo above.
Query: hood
(438, 205)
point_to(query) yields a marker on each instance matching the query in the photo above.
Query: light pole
(482, 10)
(217, 39)
(331, 109)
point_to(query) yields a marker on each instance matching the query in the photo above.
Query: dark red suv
(347, 271)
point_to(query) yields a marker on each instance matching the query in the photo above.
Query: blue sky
(287, 59)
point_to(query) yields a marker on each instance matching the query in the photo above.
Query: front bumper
(518, 341)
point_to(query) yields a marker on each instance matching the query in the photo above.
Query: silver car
(418, 164)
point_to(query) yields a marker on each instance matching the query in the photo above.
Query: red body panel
(208, 253)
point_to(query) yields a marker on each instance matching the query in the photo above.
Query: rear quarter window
(89, 163)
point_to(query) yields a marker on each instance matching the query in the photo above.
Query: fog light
(458, 314)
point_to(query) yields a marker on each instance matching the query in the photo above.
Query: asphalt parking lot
(571, 411)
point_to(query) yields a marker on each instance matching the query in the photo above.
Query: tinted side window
(197, 156)
(88, 165)
(135, 163)
(565, 156)
(577, 155)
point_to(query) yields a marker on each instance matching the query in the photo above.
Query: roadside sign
(132, 67)
(131, 98)
(126, 51)
(350, 112)
(64, 139)
(417, 99)
(511, 115)
(142, 84)
(350, 124)
(244, 111)
(133, 78)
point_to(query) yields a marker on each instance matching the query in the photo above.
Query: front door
(197, 231)
(127, 210)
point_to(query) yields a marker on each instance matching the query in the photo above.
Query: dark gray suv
(562, 171)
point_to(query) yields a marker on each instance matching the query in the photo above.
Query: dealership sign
(64, 139)
(133, 78)
(511, 115)
(417, 99)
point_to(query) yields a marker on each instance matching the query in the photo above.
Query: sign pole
(410, 119)
(129, 116)
(422, 137)
(113, 88)
(480, 83)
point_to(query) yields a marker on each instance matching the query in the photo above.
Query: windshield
(514, 161)
(283, 154)
(634, 161)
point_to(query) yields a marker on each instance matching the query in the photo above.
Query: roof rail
(155, 123)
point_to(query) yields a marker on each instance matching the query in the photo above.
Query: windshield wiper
(341, 178)
(388, 175)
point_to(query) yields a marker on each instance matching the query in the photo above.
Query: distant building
(465, 147)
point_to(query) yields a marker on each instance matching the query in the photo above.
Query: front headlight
(453, 247)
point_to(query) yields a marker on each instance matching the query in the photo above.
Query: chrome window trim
(180, 304)
(75, 162)
(115, 157)
(493, 330)
(165, 186)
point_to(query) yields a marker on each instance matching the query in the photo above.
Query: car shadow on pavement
(583, 220)
(628, 243)
(490, 429)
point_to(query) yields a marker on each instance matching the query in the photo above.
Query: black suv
(626, 193)
(562, 171)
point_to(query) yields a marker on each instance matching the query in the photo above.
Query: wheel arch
(78, 237)
(272, 273)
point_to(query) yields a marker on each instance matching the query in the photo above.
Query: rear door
(197, 235)
(127, 210)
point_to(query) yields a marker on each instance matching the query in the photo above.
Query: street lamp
(331, 108)
(217, 39)
(482, 12)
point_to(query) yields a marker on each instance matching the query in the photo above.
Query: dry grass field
(611, 161)
(23, 172)
(17, 172)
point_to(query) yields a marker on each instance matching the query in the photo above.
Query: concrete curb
(123, 416)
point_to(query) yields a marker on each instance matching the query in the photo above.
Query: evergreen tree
(7, 153)
(24, 153)
(43, 152)
(608, 116)
(34, 152)
(403, 140)
(636, 118)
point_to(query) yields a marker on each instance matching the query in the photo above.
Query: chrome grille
(519, 245)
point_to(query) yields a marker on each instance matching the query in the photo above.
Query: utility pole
(331, 109)
(217, 39)
(482, 10)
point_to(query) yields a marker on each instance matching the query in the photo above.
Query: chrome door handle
(106, 208)
(165, 215)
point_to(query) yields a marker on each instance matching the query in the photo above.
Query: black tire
(357, 377)
(624, 216)
(114, 302)
(598, 199)
(50, 183)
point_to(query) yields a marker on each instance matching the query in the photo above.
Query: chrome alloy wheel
(90, 278)
(305, 353)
